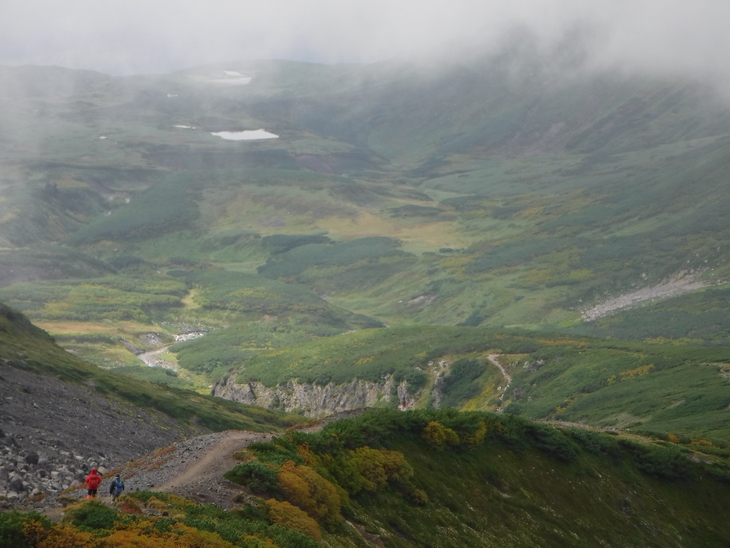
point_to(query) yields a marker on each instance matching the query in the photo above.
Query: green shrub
(281, 243)
(661, 462)
(364, 251)
(596, 443)
(552, 442)
(92, 515)
(460, 384)
(12, 528)
(259, 478)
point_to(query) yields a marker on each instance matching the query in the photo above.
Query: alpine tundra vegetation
(519, 266)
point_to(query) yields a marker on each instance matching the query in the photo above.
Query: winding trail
(493, 358)
(215, 462)
(151, 358)
(194, 468)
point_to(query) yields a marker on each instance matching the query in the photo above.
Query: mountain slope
(61, 415)
(515, 191)
(654, 388)
(423, 479)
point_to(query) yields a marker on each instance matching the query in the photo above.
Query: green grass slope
(657, 388)
(433, 479)
(517, 190)
(475, 479)
(517, 197)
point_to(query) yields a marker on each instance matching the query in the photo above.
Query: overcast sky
(147, 36)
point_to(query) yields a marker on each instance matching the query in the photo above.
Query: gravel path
(193, 468)
(152, 359)
(494, 358)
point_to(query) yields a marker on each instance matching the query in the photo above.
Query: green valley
(513, 233)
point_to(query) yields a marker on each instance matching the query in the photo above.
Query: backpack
(117, 486)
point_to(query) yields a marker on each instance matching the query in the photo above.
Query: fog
(134, 36)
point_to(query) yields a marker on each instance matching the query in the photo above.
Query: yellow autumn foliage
(287, 515)
(305, 488)
(439, 436)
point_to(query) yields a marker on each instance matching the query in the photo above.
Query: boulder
(16, 485)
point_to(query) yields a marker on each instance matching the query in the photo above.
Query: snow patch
(232, 78)
(250, 135)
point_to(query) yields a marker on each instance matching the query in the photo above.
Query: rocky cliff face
(314, 400)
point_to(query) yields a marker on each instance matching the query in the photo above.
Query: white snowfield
(232, 78)
(250, 135)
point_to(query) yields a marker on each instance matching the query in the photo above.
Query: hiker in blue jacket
(116, 488)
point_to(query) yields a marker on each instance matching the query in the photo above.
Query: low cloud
(132, 36)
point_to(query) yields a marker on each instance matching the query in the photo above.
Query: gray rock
(16, 485)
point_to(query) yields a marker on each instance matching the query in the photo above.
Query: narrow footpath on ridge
(493, 359)
(194, 468)
(204, 477)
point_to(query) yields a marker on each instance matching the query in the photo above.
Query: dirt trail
(213, 463)
(194, 468)
(493, 358)
(152, 359)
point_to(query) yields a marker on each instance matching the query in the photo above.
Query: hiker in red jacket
(93, 481)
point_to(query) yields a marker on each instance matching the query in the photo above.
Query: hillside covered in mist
(484, 227)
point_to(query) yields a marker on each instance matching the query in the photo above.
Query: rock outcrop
(314, 400)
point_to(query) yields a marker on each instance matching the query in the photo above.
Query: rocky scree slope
(54, 432)
(61, 416)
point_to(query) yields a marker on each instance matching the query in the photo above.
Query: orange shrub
(142, 535)
(375, 467)
(305, 488)
(58, 536)
(438, 435)
(485, 427)
(700, 441)
(288, 515)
